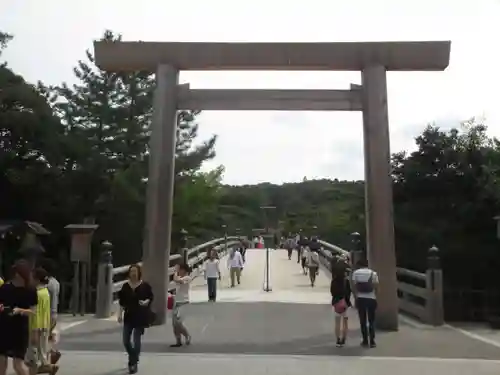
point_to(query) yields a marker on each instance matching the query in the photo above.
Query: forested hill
(335, 207)
(446, 193)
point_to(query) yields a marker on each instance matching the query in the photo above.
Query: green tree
(107, 117)
(4, 40)
(446, 193)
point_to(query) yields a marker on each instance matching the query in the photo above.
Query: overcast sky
(51, 35)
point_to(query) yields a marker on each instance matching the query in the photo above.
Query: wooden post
(378, 193)
(160, 190)
(434, 285)
(80, 256)
(104, 299)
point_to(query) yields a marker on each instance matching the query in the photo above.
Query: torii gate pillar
(378, 193)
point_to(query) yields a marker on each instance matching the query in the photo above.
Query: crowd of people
(349, 282)
(29, 298)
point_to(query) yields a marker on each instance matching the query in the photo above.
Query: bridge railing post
(357, 253)
(104, 300)
(184, 249)
(434, 285)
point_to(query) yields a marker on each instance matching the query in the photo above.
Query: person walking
(40, 324)
(340, 291)
(18, 300)
(364, 286)
(54, 288)
(212, 274)
(290, 245)
(298, 242)
(182, 281)
(243, 249)
(235, 264)
(135, 299)
(312, 261)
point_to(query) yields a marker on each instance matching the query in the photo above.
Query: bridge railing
(111, 279)
(420, 294)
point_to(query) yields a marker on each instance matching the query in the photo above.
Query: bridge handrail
(420, 293)
(194, 256)
(333, 247)
(175, 257)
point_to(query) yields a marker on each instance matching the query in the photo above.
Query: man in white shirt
(212, 274)
(364, 286)
(235, 264)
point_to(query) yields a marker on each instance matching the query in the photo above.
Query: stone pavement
(276, 333)
(111, 363)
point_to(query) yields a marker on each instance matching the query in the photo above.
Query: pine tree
(108, 117)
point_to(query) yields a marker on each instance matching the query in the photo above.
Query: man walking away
(235, 264)
(297, 246)
(303, 243)
(212, 274)
(314, 244)
(290, 245)
(304, 255)
(364, 286)
(243, 250)
(313, 265)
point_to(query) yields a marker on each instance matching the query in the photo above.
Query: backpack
(314, 258)
(366, 286)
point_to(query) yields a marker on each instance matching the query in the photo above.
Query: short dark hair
(185, 267)
(48, 265)
(363, 262)
(41, 275)
(138, 268)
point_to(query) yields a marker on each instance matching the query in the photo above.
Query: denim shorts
(179, 312)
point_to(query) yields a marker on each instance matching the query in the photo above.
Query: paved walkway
(112, 363)
(287, 282)
(286, 331)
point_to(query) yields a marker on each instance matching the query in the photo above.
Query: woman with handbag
(18, 300)
(135, 299)
(340, 290)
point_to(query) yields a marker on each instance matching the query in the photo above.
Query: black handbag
(151, 317)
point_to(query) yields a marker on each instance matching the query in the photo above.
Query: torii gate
(373, 59)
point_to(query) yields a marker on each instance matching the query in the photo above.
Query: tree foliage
(81, 150)
(446, 193)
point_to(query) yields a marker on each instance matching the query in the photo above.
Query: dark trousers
(299, 254)
(132, 342)
(366, 310)
(212, 288)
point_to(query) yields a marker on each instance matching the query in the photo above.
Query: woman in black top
(18, 299)
(340, 290)
(135, 299)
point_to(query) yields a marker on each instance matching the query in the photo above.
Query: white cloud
(50, 36)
